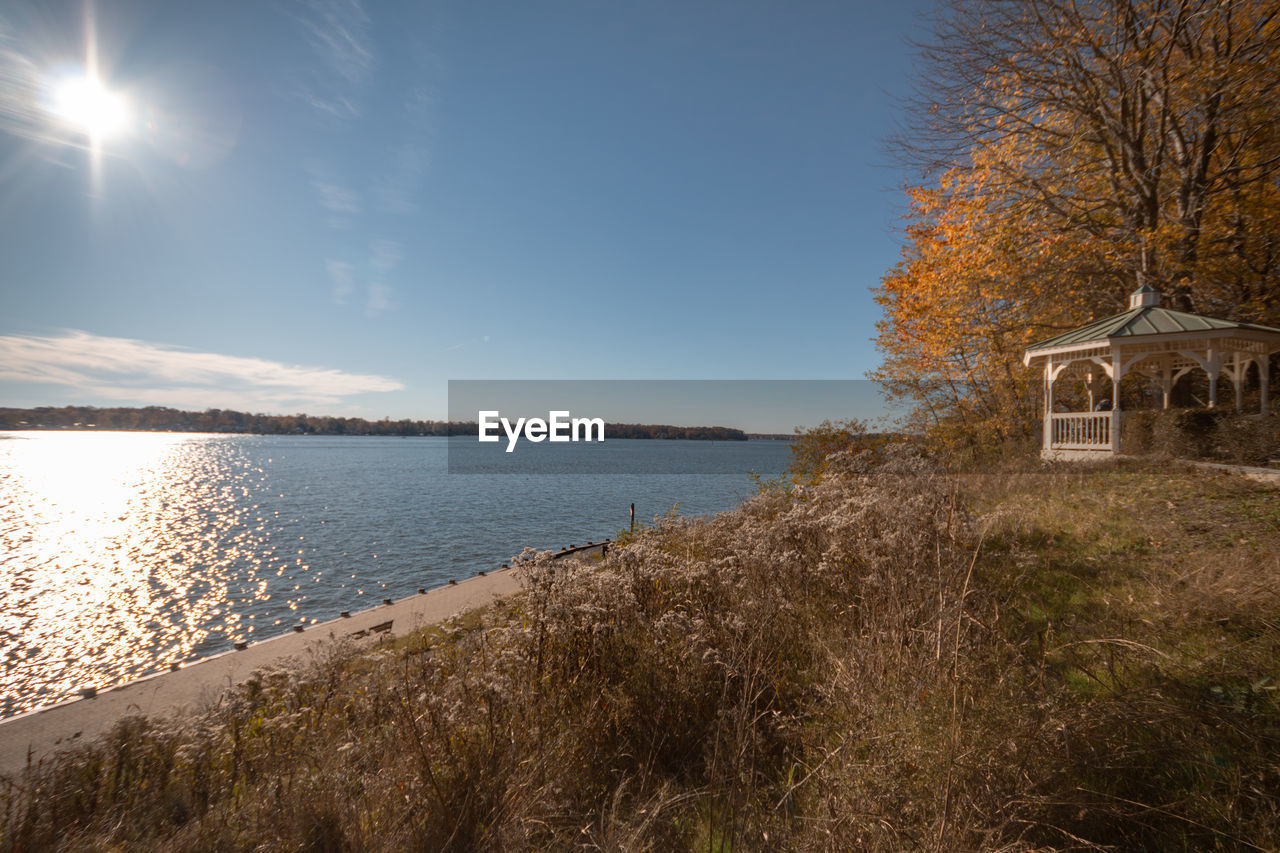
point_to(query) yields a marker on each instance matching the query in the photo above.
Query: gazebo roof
(1144, 320)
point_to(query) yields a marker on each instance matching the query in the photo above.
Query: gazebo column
(1238, 373)
(1264, 378)
(1213, 362)
(1088, 385)
(1166, 379)
(1117, 373)
(1048, 405)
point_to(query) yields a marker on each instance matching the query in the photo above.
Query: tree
(811, 448)
(1071, 150)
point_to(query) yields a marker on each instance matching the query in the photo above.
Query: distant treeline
(695, 433)
(163, 419)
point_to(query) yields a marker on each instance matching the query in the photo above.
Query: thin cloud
(337, 106)
(340, 203)
(398, 188)
(379, 299)
(335, 198)
(342, 280)
(385, 255)
(338, 33)
(19, 91)
(130, 369)
(197, 398)
(397, 191)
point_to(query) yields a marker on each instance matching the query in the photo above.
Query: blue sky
(336, 207)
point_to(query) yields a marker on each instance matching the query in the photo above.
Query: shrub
(1136, 435)
(1184, 433)
(1224, 434)
(811, 448)
(1248, 439)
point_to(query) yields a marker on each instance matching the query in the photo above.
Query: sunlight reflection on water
(119, 549)
(123, 552)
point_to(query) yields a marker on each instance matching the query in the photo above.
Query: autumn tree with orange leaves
(1070, 151)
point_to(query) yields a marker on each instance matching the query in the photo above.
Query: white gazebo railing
(1082, 430)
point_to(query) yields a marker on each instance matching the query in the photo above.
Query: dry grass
(895, 658)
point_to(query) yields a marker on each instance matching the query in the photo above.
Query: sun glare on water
(116, 555)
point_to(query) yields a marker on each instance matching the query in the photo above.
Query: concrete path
(1270, 476)
(37, 734)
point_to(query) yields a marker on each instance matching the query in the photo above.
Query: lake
(123, 552)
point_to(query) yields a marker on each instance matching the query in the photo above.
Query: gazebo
(1159, 343)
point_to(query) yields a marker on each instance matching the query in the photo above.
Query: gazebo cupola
(1143, 297)
(1159, 343)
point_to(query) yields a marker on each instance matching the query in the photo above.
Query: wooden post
(1166, 380)
(1214, 360)
(1117, 373)
(633, 518)
(1264, 379)
(1242, 370)
(1048, 405)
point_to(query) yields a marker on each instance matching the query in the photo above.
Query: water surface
(123, 552)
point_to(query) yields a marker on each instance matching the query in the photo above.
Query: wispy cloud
(130, 370)
(19, 90)
(385, 254)
(379, 299)
(338, 30)
(342, 280)
(335, 198)
(340, 203)
(397, 189)
(338, 33)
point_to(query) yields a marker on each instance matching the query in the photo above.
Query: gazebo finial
(1144, 296)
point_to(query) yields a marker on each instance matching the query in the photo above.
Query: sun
(84, 102)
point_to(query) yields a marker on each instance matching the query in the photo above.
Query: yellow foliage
(1104, 144)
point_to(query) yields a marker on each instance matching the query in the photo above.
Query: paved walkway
(1261, 475)
(36, 734)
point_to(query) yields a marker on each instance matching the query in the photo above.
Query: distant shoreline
(5, 428)
(229, 422)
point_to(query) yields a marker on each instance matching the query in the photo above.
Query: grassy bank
(895, 658)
